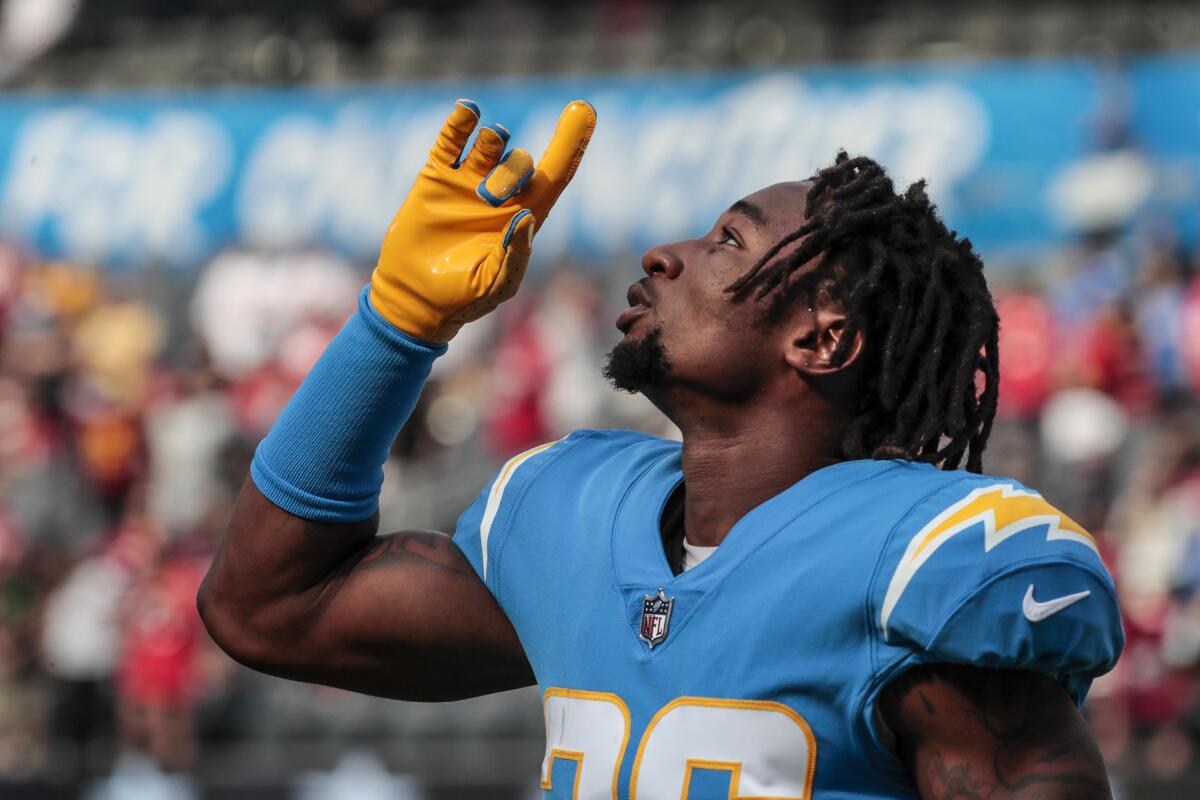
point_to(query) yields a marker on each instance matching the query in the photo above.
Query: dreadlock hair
(916, 291)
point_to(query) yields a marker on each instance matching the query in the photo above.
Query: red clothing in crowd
(159, 654)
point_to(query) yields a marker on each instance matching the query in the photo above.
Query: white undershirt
(694, 554)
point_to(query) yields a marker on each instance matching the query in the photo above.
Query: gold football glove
(459, 245)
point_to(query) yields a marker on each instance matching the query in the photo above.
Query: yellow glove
(459, 245)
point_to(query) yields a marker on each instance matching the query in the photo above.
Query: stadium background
(191, 192)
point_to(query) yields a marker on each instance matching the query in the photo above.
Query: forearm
(270, 568)
(311, 502)
(323, 459)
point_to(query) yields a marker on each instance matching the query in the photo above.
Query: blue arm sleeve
(323, 459)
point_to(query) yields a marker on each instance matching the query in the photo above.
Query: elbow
(234, 627)
(208, 605)
(219, 617)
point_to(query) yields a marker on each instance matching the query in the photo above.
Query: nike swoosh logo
(1036, 612)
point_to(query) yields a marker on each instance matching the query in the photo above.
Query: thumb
(512, 255)
(498, 276)
(519, 238)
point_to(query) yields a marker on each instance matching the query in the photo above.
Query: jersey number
(766, 748)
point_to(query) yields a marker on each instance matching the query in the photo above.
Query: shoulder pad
(959, 566)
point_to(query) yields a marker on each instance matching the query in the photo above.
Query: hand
(459, 245)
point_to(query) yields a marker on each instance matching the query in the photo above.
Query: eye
(729, 237)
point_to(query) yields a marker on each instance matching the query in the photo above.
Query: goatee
(638, 364)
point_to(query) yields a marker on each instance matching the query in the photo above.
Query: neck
(734, 461)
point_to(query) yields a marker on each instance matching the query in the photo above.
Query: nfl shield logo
(656, 618)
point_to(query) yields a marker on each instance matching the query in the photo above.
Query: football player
(805, 599)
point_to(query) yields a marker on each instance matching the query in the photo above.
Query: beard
(634, 366)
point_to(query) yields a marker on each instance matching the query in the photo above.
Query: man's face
(682, 329)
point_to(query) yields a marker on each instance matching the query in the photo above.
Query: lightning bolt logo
(1004, 511)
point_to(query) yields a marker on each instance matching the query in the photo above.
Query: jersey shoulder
(983, 570)
(546, 482)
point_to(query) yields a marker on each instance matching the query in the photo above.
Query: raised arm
(401, 615)
(969, 732)
(302, 587)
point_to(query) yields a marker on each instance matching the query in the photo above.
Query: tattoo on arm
(418, 548)
(953, 781)
(928, 706)
(968, 732)
(428, 547)
(957, 780)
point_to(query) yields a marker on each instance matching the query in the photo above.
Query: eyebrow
(749, 210)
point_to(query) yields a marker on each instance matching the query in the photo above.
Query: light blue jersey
(755, 674)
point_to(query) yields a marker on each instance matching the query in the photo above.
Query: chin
(638, 363)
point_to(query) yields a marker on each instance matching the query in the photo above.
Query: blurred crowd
(186, 43)
(1100, 375)
(130, 404)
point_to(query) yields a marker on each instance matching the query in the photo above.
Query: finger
(489, 146)
(562, 155)
(508, 178)
(454, 134)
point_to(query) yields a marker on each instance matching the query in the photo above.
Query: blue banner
(126, 179)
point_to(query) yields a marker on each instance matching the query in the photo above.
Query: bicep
(410, 604)
(402, 615)
(973, 732)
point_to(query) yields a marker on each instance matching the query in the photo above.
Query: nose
(662, 260)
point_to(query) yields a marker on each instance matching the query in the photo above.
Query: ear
(814, 337)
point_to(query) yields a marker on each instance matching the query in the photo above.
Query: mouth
(639, 305)
(627, 318)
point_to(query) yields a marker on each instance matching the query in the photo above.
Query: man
(794, 603)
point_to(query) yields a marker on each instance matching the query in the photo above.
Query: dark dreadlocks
(918, 294)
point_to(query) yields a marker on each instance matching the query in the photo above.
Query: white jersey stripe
(497, 494)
